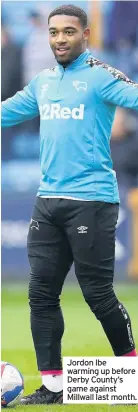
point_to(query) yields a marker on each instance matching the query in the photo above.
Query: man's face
(67, 38)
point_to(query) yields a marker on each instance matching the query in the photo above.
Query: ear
(86, 34)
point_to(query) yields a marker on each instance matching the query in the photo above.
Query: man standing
(76, 210)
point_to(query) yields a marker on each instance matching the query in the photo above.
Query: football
(12, 385)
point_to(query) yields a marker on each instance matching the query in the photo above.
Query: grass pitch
(83, 337)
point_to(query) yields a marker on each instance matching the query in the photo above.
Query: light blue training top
(77, 107)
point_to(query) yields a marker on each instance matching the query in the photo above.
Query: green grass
(83, 337)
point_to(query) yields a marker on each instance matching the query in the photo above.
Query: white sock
(53, 383)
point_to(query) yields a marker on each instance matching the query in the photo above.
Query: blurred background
(25, 52)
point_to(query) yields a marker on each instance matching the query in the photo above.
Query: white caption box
(102, 380)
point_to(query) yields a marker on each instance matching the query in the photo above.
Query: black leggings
(62, 231)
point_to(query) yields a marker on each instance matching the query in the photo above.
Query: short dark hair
(70, 10)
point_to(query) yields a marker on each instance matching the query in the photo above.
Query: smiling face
(67, 38)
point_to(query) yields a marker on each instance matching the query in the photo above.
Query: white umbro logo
(82, 229)
(44, 89)
(80, 85)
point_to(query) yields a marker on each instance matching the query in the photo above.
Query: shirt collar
(76, 63)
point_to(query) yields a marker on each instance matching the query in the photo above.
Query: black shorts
(62, 231)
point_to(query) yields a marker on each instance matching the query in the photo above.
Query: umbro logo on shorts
(82, 229)
(34, 224)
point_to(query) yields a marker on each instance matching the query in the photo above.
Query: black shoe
(42, 396)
